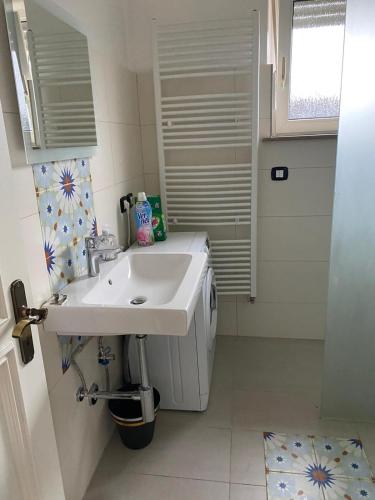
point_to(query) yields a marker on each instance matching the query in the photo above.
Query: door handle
(24, 317)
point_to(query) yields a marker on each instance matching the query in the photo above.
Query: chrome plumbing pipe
(144, 394)
(95, 394)
(141, 346)
(146, 391)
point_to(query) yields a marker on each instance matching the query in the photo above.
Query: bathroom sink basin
(139, 293)
(149, 278)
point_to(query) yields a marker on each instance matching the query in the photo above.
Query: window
(309, 64)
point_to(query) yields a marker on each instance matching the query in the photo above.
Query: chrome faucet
(99, 251)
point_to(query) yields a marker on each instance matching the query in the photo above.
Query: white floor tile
(288, 412)
(144, 487)
(247, 458)
(218, 413)
(278, 365)
(188, 451)
(246, 492)
(274, 411)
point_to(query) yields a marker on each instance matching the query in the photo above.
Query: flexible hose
(78, 370)
(75, 365)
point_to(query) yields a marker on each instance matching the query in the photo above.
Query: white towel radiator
(206, 78)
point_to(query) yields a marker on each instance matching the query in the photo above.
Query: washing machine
(181, 367)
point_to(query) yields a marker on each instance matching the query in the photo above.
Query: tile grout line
(248, 484)
(197, 479)
(183, 477)
(230, 461)
(265, 463)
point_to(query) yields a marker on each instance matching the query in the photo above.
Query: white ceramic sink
(139, 293)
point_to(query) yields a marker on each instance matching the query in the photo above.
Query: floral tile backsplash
(65, 203)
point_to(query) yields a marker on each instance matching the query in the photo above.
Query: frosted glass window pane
(316, 59)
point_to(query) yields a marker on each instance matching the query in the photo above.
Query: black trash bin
(127, 415)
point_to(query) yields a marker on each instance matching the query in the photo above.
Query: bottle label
(144, 218)
(145, 234)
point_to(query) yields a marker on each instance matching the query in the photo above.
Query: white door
(29, 464)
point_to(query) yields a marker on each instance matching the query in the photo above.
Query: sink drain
(138, 301)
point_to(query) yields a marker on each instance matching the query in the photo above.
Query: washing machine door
(210, 307)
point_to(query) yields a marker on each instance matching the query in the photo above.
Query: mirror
(52, 74)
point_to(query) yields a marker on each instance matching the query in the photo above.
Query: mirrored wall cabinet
(52, 74)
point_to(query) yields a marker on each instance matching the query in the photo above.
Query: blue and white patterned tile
(350, 489)
(82, 225)
(43, 176)
(93, 224)
(65, 229)
(50, 247)
(67, 343)
(66, 172)
(288, 453)
(80, 258)
(83, 167)
(286, 486)
(86, 195)
(69, 197)
(62, 269)
(345, 457)
(49, 208)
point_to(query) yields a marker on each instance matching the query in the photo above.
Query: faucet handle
(90, 242)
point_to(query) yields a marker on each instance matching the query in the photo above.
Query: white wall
(294, 216)
(294, 223)
(82, 431)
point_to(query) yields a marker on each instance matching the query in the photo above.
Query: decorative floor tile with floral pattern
(314, 467)
(287, 453)
(345, 457)
(291, 487)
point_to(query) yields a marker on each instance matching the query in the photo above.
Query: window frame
(281, 125)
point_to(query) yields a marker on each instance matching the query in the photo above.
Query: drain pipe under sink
(144, 394)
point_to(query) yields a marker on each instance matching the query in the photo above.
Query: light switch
(279, 173)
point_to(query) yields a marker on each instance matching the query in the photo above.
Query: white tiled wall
(82, 431)
(294, 226)
(294, 220)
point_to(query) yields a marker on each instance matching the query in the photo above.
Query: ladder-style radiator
(206, 78)
(60, 67)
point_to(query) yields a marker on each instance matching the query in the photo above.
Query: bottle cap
(141, 196)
